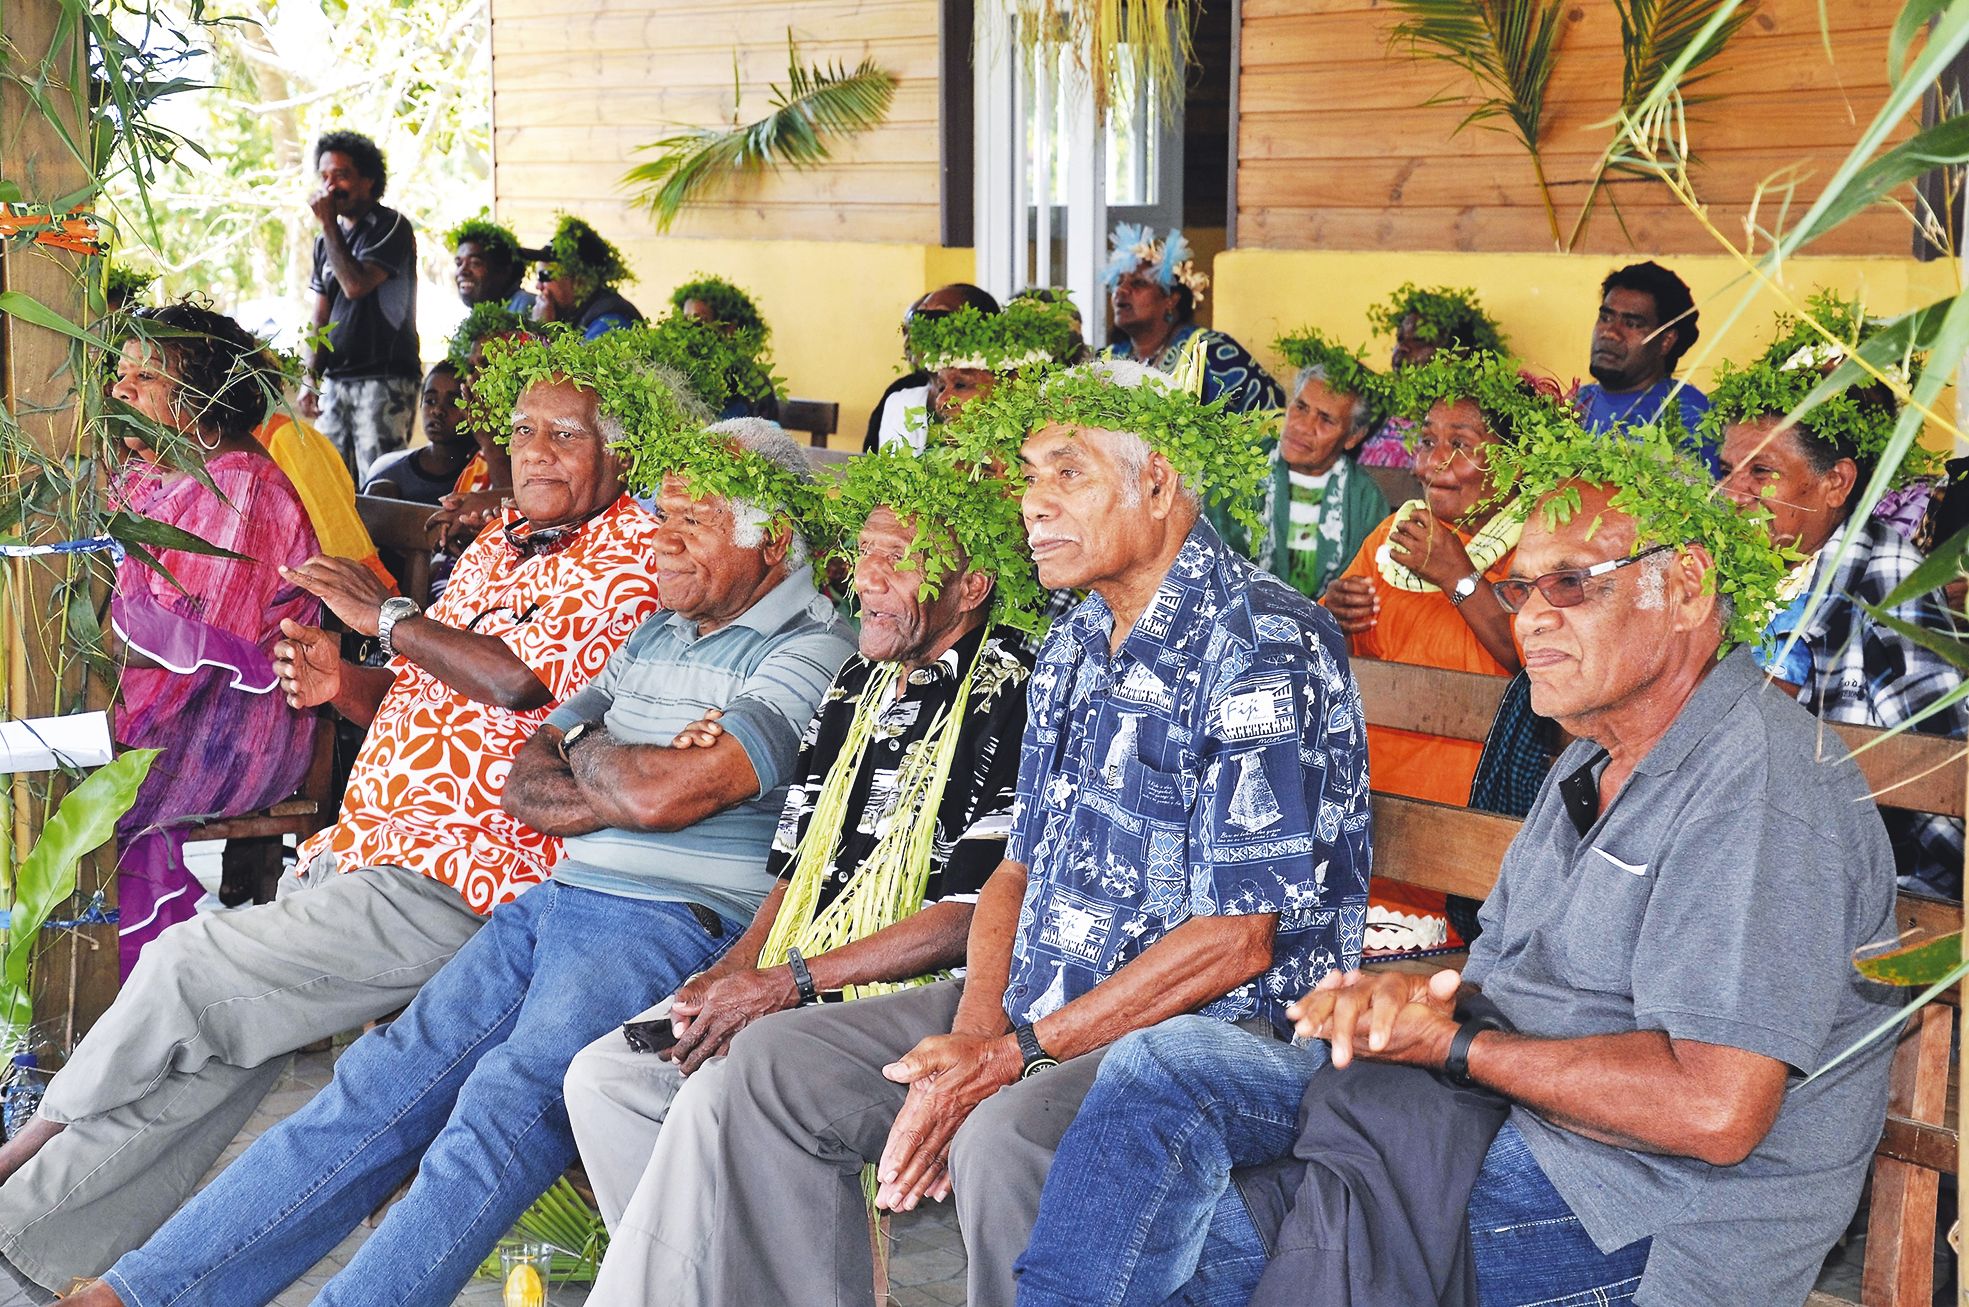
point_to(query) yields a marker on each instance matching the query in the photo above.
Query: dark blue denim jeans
(468, 1080)
(1138, 1210)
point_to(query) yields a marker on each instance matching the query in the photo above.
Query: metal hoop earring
(213, 447)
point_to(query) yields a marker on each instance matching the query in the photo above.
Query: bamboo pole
(42, 43)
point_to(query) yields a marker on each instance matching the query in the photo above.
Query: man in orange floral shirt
(535, 608)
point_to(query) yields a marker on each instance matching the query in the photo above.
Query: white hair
(768, 440)
(1130, 449)
(1652, 585)
(1363, 412)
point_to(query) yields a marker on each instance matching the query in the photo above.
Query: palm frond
(818, 101)
(1509, 48)
(1118, 45)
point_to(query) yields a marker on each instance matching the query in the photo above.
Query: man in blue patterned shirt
(1191, 837)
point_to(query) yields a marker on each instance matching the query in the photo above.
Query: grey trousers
(169, 1075)
(805, 1106)
(368, 417)
(648, 1141)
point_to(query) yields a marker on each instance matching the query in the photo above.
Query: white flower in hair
(1814, 357)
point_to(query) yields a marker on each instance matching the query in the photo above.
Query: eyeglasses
(1566, 589)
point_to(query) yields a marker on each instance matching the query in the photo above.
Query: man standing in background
(364, 368)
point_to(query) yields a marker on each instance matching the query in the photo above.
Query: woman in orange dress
(1418, 592)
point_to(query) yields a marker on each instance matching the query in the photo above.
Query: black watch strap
(1457, 1065)
(803, 979)
(1028, 1038)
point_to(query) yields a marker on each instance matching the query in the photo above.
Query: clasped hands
(1383, 1016)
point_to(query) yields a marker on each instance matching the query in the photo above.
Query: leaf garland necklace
(890, 883)
(1486, 548)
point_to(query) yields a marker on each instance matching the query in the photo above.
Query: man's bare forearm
(542, 792)
(923, 942)
(1202, 959)
(1639, 1090)
(988, 953)
(480, 667)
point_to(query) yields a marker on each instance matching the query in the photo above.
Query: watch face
(1037, 1065)
(574, 733)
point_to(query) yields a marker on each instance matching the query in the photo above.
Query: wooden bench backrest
(819, 418)
(398, 527)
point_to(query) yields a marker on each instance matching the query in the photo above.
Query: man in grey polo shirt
(1671, 937)
(666, 861)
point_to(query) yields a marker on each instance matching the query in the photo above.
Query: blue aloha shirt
(1215, 766)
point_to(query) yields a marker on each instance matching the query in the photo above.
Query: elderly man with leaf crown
(1629, 1094)
(1851, 639)
(420, 852)
(897, 815)
(1190, 834)
(665, 861)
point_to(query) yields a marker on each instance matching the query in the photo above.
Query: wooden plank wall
(579, 84)
(1337, 150)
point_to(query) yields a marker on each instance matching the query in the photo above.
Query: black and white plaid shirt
(1866, 674)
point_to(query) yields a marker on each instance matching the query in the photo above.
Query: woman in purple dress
(198, 678)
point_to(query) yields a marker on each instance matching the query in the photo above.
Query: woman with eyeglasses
(196, 644)
(1418, 592)
(1842, 663)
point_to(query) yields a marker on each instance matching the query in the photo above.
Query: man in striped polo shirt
(665, 863)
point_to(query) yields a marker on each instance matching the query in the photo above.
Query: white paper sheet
(43, 743)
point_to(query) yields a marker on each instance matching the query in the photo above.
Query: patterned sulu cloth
(424, 794)
(1866, 674)
(1215, 765)
(1228, 369)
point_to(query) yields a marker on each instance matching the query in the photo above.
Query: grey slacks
(805, 1106)
(648, 1137)
(169, 1075)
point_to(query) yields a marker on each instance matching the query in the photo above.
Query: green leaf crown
(727, 303)
(1220, 455)
(1024, 332)
(483, 232)
(1446, 316)
(633, 388)
(1858, 422)
(1347, 372)
(947, 499)
(719, 365)
(1511, 402)
(577, 250)
(488, 319)
(1663, 484)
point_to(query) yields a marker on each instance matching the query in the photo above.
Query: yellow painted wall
(1544, 302)
(835, 306)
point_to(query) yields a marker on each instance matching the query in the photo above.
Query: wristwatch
(571, 734)
(1464, 589)
(1457, 1064)
(1036, 1058)
(803, 979)
(394, 610)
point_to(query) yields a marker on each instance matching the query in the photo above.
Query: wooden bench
(819, 418)
(1459, 850)
(254, 856)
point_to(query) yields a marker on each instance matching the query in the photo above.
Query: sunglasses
(1565, 589)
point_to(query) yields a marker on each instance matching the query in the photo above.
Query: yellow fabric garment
(327, 491)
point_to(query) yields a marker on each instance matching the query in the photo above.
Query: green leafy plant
(1118, 46)
(1221, 455)
(649, 401)
(1448, 317)
(1654, 37)
(951, 505)
(729, 305)
(1509, 48)
(1024, 332)
(1347, 372)
(1511, 404)
(577, 251)
(567, 1223)
(1663, 484)
(483, 232)
(482, 322)
(1859, 418)
(817, 102)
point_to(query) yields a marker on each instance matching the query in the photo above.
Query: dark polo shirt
(1719, 899)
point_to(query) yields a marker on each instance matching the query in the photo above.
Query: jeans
(1139, 1209)
(1129, 1203)
(468, 1079)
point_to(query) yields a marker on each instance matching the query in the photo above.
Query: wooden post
(75, 974)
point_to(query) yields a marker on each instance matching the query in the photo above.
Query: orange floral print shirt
(425, 791)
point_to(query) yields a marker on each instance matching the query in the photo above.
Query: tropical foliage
(1117, 45)
(817, 102)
